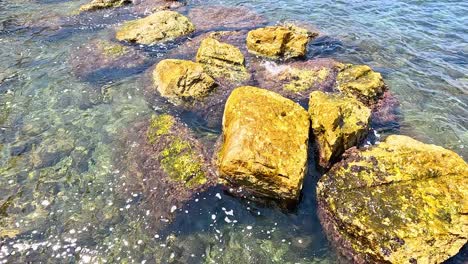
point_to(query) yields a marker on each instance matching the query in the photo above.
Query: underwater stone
(222, 59)
(338, 122)
(182, 81)
(159, 27)
(101, 4)
(401, 201)
(279, 41)
(361, 82)
(265, 139)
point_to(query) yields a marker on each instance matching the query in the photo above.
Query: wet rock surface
(265, 140)
(158, 27)
(102, 4)
(401, 201)
(102, 60)
(338, 122)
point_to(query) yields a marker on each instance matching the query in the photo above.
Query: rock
(182, 81)
(338, 122)
(265, 139)
(101, 4)
(102, 60)
(278, 41)
(210, 18)
(167, 165)
(401, 201)
(361, 82)
(159, 27)
(222, 60)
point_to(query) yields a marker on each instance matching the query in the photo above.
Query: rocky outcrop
(265, 140)
(182, 81)
(222, 59)
(401, 201)
(361, 82)
(279, 41)
(102, 60)
(159, 27)
(338, 123)
(102, 4)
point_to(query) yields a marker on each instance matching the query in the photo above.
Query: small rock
(338, 122)
(265, 138)
(101, 4)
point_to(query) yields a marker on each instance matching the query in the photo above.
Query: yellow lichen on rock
(265, 138)
(159, 27)
(338, 123)
(401, 201)
(222, 59)
(302, 79)
(361, 82)
(182, 81)
(278, 41)
(102, 4)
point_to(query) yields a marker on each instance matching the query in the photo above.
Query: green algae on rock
(265, 140)
(401, 201)
(338, 122)
(276, 42)
(361, 82)
(222, 59)
(182, 81)
(102, 4)
(158, 27)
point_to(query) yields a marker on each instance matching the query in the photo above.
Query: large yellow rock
(222, 59)
(182, 81)
(361, 82)
(102, 4)
(278, 41)
(265, 138)
(158, 27)
(338, 123)
(401, 201)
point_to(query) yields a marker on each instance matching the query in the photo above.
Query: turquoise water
(61, 189)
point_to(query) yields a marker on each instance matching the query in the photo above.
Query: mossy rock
(182, 81)
(277, 42)
(265, 140)
(103, 4)
(338, 122)
(401, 201)
(361, 82)
(222, 60)
(158, 27)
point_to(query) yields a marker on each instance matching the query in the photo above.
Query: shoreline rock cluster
(401, 201)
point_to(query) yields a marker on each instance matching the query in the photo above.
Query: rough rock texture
(361, 82)
(401, 201)
(158, 27)
(338, 122)
(264, 147)
(167, 164)
(103, 60)
(182, 81)
(209, 18)
(296, 80)
(101, 4)
(279, 41)
(222, 60)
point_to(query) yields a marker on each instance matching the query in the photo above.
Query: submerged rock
(265, 139)
(159, 27)
(361, 82)
(167, 165)
(104, 60)
(101, 4)
(208, 18)
(401, 201)
(182, 81)
(222, 59)
(279, 41)
(338, 122)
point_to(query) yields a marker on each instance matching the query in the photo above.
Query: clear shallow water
(59, 137)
